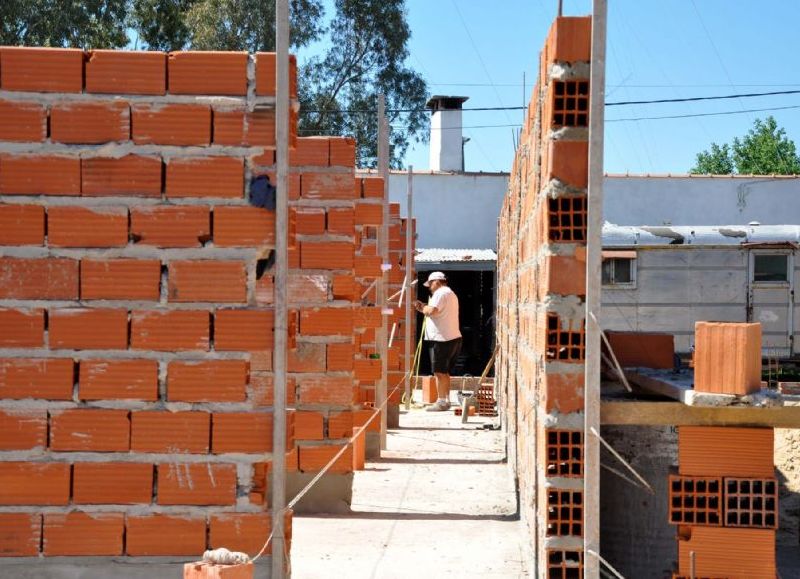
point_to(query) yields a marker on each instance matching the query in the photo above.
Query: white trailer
(665, 278)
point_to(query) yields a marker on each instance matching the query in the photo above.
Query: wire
(716, 114)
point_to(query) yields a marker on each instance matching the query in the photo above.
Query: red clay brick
(564, 275)
(205, 177)
(90, 429)
(84, 227)
(726, 552)
(34, 483)
(372, 188)
(165, 124)
(170, 432)
(23, 430)
(40, 175)
(367, 369)
(308, 426)
(112, 483)
(331, 390)
(241, 129)
(569, 162)
(310, 220)
(207, 281)
(170, 330)
(369, 214)
(130, 175)
(213, 73)
(343, 152)
(144, 536)
(118, 380)
(345, 287)
(22, 122)
(308, 288)
(21, 224)
(90, 122)
(207, 381)
(307, 357)
(243, 330)
(171, 226)
(126, 72)
(643, 349)
(85, 329)
(314, 458)
(340, 425)
(564, 392)
(327, 186)
(266, 74)
(326, 321)
(570, 39)
(360, 418)
(20, 534)
(327, 255)
(240, 531)
(310, 152)
(263, 390)
(367, 317)
(197, 484)
(120, 279)
(50, 378)
(41, 69)
(247, 432)
(243, 226)
(341, 220)
(727, 357)
(340, 357)
(725, 451)
(83, 534)
(22, 328)
(367, 266)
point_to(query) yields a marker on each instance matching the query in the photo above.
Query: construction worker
(442, 333)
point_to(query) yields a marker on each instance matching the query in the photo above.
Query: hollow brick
(90, 429)
(90, 123)
(84, 227)
(40, 175)
(112, 483)
(21, 328)
(126, 72)
(89, 329)
(171, 226)
(196, 484)
(118, 380)
(21, 224)
(120, 279)
(41, 69)
(79, 533)
(171, 124)
(22, 122)
(34, 483)
(170, 432)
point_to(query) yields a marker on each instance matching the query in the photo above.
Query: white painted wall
(460, 210)
(446, 147)
(453, 210)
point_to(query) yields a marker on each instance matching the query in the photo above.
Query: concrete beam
(632, 412)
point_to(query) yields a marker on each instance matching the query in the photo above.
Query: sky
(656, 49)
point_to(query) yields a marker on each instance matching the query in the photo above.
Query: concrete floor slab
(439, 503)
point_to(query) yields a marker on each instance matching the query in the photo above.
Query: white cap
(434, 276)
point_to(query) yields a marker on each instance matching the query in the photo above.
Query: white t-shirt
(443, 325)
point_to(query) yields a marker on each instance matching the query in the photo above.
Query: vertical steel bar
(281, 277)
(591, 481)
(409, 279)
(383, 251)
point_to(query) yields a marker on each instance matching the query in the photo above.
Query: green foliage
(368, 48)
(765, 150)
(60, 23)
(160, 24)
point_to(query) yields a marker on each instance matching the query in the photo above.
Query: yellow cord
(415, 363)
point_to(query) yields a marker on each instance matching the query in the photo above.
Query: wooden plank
(634, 412)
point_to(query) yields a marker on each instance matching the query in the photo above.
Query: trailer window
(619, 272)
(771, 267)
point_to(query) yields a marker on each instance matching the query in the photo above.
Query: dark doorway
(475, 291)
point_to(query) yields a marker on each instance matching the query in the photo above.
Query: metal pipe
(383, 251)
(409, 272)
(591, 477)
(281, 278)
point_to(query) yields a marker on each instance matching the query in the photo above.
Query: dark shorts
(443, 355)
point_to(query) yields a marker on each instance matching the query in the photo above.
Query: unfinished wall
(541, 286)
(136, 296)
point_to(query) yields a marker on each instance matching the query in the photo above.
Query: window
(619, 269)
(770, 268)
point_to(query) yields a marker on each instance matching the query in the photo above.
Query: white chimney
(447, 145)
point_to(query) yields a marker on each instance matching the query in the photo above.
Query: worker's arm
(425, 310)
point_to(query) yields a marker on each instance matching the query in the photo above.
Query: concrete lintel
(619, 413)
(560, 482)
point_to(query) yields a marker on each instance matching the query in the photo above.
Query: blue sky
(666, 49)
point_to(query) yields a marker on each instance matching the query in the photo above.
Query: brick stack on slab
(724, 498)
(541, 289)
(135, 344)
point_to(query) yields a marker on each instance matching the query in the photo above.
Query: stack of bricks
(541, 288)
(724, 498)
(136, 383)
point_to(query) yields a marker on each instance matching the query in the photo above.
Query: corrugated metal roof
(446, 255)
(642, 236)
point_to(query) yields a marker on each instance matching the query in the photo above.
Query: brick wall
(136, 383)
(541, 289)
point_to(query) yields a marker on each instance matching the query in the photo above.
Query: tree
(84, 24)
(765, 150)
